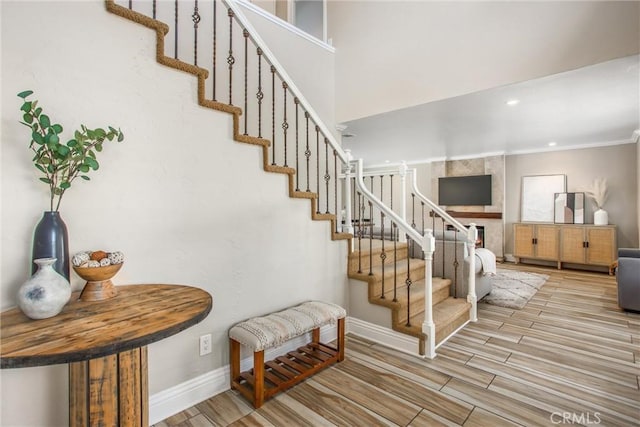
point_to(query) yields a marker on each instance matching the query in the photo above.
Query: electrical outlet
(205, 344)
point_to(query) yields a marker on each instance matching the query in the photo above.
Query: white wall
(396, 54)
(183, 201)
(618, 164)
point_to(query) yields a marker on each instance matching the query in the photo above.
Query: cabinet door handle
(586, 245)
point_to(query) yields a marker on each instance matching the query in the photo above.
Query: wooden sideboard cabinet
(588, 244)
(537, 241)
(569, 243)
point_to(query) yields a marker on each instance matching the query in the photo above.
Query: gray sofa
(451, 247)
(628, 278)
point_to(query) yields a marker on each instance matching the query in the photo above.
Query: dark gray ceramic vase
(50, 240)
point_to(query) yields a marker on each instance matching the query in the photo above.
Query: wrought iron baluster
(230, 59)
(317, 169)
(245, 113)
(413, 211)
(214, 53)
(307, 151)
(371, 212)
(433, 219)
(130, 4)
(394, 230)
(154, 9)
(196, 20)
(273, 115)
(422, 218)
(260, 94)
(327, 176)
(353, 191)
(370, 238)
(175, 34)
(285, 125)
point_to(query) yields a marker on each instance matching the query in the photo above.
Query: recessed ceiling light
(387, 161)
(552, 144)
(513, 102)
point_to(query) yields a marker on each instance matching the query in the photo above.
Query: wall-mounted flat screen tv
(464, 190)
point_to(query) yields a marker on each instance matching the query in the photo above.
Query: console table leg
(110, 390)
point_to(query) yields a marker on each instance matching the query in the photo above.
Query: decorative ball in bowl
(99, 285)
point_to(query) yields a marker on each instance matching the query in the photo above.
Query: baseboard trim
(175, 399)
(385, 336)
(169, 402)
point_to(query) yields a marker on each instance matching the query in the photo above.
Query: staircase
(448, 313)
(299, 147)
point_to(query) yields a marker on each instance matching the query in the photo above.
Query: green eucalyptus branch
(62, 163)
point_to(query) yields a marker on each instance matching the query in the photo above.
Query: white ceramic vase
(600, 217)
(45, 293)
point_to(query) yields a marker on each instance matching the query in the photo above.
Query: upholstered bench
(262, 333)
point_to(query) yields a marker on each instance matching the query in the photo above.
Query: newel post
(472, 238)
(428, 327)
(347, 227)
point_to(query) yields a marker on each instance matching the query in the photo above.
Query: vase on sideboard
(45, 293)
(51, 240)
(600, 217)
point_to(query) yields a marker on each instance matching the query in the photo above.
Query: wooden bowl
(99, 285)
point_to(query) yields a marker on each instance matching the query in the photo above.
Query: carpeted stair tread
(355, 258)
(376, 244)
(449, 309)
(448, 315)
(415, 265)
(440, 289)
(417, 288)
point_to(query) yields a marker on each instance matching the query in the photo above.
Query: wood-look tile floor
(570, 356)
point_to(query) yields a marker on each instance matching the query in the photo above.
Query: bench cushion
(261, 333)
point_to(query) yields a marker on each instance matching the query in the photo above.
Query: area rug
(513, 289)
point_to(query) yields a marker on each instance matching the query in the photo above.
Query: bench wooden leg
(234, 360)
(258, 373)
(315, 336)
(340, 339)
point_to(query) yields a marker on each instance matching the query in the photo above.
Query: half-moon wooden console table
(104, 343)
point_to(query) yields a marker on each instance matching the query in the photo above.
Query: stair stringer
(161, 29)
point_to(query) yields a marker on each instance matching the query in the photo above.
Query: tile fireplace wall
(494, 166)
